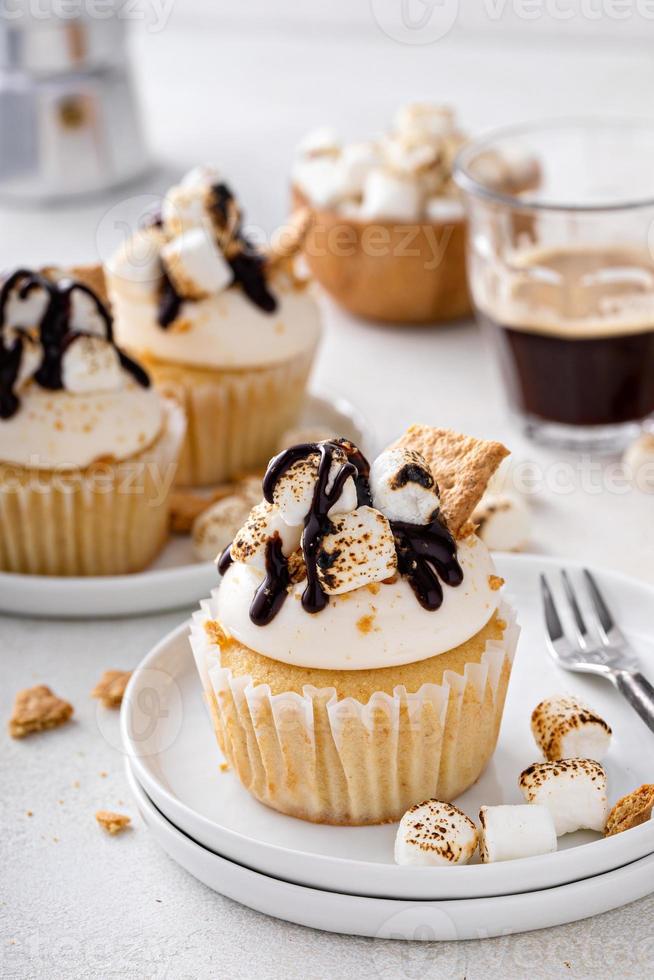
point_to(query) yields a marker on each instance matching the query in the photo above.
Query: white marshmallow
(196, 265)
(293, 493)
(504, 522)
(250, 542)
(425, 120)
(434, 834)
(320, 179)
(30, 360)
(410, 160)
(490, 170)
(24, 314)
(84, 315)
(318, 142)
(522, 165)
(403, 487)
(638, 462)
(204, 175)
(360, 550)
(184, 208)
(444, 209)
(565, 728)
(215, 527)
(573, 790)
(510, 832)
(355, 163)
(388, 196)
(138, 261)
(91, 364)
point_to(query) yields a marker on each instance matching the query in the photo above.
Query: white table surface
(75, 903)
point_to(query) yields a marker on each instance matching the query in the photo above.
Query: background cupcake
(88, 448)
(230, 330)
(357, 654)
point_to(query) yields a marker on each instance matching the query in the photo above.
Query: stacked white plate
(344, 879)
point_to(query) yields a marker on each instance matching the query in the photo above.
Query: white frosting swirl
(68, 430)
(375, 626)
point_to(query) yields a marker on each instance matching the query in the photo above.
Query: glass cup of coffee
(561, 271)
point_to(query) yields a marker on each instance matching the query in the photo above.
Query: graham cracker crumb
(111, 687)
(187, 505)
(37, 709)
(461, 465)
(631, 811)
(365, 624)
(113, 823)
(495, 582)
(103, 774)
(224, 767)
(215, 632)
(30, 813)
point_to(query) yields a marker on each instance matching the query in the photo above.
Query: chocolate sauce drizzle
(55, 335)
(425, 553)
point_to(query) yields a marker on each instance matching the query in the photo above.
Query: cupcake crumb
(37, 709)
(112, 823)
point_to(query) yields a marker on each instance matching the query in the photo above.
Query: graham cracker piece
(631, 810)
(461, 465)
(93, 277)
(111, 687)
(113, 823)
(36, 709)
(186, 504)
(290, 237)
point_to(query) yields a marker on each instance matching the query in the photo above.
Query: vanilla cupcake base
(235, 417)
(109, 518)
(331, 758)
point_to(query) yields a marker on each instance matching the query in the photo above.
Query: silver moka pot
(68, 119)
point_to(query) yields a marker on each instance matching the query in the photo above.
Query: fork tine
(606, 622)
(576, 611)
(552, 621)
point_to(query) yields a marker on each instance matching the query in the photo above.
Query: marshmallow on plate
(573, 790)
(639, 462)
(196, 265)
(503, 522)
(392, 197)
(91, 364)
(510, 832)
(185, 207)
(215, 527)
(424, 120)
(359, 550)
(565, 728)
(433, 834)
(403, 487)
(294, 490)
(264, 523)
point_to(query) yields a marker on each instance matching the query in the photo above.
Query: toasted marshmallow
(322, 141)
(185, 207)
(403, 487)
(204, 175)
(85, 316)
(196, 265)
(565, 728)
(434, 834)
(510, 832)
(320, 178)
(503, 522)
(388, 196)
(359, 550)
(424, 120)
(23, 315)
(215, 527)
(573, 790)
(444, 209)
(138, 259)
(639, 462)
(251, 541)
(293, 493)
(91, 364)
(355, 163)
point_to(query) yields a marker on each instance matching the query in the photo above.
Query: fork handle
(639, 693)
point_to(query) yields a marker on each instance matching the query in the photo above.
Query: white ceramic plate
(167, 734)
(383, 918)
(175, 580)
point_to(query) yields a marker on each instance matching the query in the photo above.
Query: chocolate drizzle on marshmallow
(426, 553)
(55, 334)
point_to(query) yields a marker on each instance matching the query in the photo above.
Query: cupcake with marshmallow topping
(230, 330)
(88, 447)
(389, 237)
(356, 655)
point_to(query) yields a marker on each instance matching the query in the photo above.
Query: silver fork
(604, 650)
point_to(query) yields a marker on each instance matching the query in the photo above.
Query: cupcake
(88, 447)
(356, 655)
(231, 331)
(389, 237)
